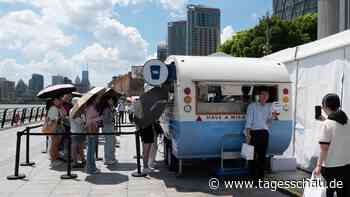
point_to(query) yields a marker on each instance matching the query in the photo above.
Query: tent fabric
(315, 69)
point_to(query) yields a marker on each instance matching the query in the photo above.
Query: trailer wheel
(172, 161)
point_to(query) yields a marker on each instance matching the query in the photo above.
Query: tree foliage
(281, 34)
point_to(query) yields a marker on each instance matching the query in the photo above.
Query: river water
(2, 106)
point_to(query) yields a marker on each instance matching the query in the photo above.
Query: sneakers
(151, 165)
(55, 163)
(97, 171)
(146, 170)
(78, 165)
(110, 162)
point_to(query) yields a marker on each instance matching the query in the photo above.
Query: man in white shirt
(258, 123)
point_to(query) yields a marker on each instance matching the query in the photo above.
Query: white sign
(155, 72)
(228, 89)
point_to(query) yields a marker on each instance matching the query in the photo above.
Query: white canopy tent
(316, 68)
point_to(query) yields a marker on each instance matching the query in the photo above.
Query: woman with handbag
(54, 124)
(334, 160)
(78, 141)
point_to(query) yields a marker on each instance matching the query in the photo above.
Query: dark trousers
(131, 117)
(338, 174)
(121, 116)
(260, 141)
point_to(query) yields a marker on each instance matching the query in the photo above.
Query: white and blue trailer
(205, 114)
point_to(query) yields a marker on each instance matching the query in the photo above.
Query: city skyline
(100, 33)
(21, 90)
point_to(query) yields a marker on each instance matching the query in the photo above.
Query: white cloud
(111, 33)
(176, 7)
(29, 34)
(227, 33)
(40, 38)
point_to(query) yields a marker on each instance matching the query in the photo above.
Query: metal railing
(27, 132)
(10, 117)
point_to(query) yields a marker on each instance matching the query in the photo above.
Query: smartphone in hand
(318, 112)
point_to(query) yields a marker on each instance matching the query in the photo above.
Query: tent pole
(295, 98)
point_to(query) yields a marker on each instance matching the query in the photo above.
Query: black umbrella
(56, 91)
(152, 104)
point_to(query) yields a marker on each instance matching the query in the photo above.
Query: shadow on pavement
(107, 179)
(122, 167)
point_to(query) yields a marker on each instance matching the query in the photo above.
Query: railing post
(37, 114)
(27, 162)
(138, 173)
(13, 117)
(31, 114)
(69, 174)
(4, 118)
(23, 117)
(42, 113)
(18, 151)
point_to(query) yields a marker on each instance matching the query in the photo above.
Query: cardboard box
(279, 164)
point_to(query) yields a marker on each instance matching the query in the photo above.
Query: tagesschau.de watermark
(273, 185)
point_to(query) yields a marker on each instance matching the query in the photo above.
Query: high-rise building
(85, 83)
(36, 83)
(203, 30)
(162, 51)
(333, 17)
(66, 80)
(290, 9)
(344, 15)
(7, 90)
(21, 88)
(57, 79)
(177, 38)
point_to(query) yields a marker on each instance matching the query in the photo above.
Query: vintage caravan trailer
(208, 98)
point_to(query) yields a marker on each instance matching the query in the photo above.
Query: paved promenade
(41, 181)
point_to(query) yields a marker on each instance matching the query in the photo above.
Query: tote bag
(319, 191)
(247, 151)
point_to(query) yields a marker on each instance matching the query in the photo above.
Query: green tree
(271, 34)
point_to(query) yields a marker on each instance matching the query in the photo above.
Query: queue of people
(59, 121)
(99, 112)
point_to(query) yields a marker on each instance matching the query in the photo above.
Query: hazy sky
(53, 37)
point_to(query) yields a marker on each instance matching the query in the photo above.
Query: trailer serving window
(215, 98)
(227, 98)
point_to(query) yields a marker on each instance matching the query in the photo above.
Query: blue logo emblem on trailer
(155, 72)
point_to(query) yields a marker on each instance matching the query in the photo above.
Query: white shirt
(338, 136)
(53, 114)
(259, 116)
(120, 107)
(131, 108)
(76, 125)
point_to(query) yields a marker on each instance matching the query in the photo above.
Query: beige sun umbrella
(111, 93)
(94, 93)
